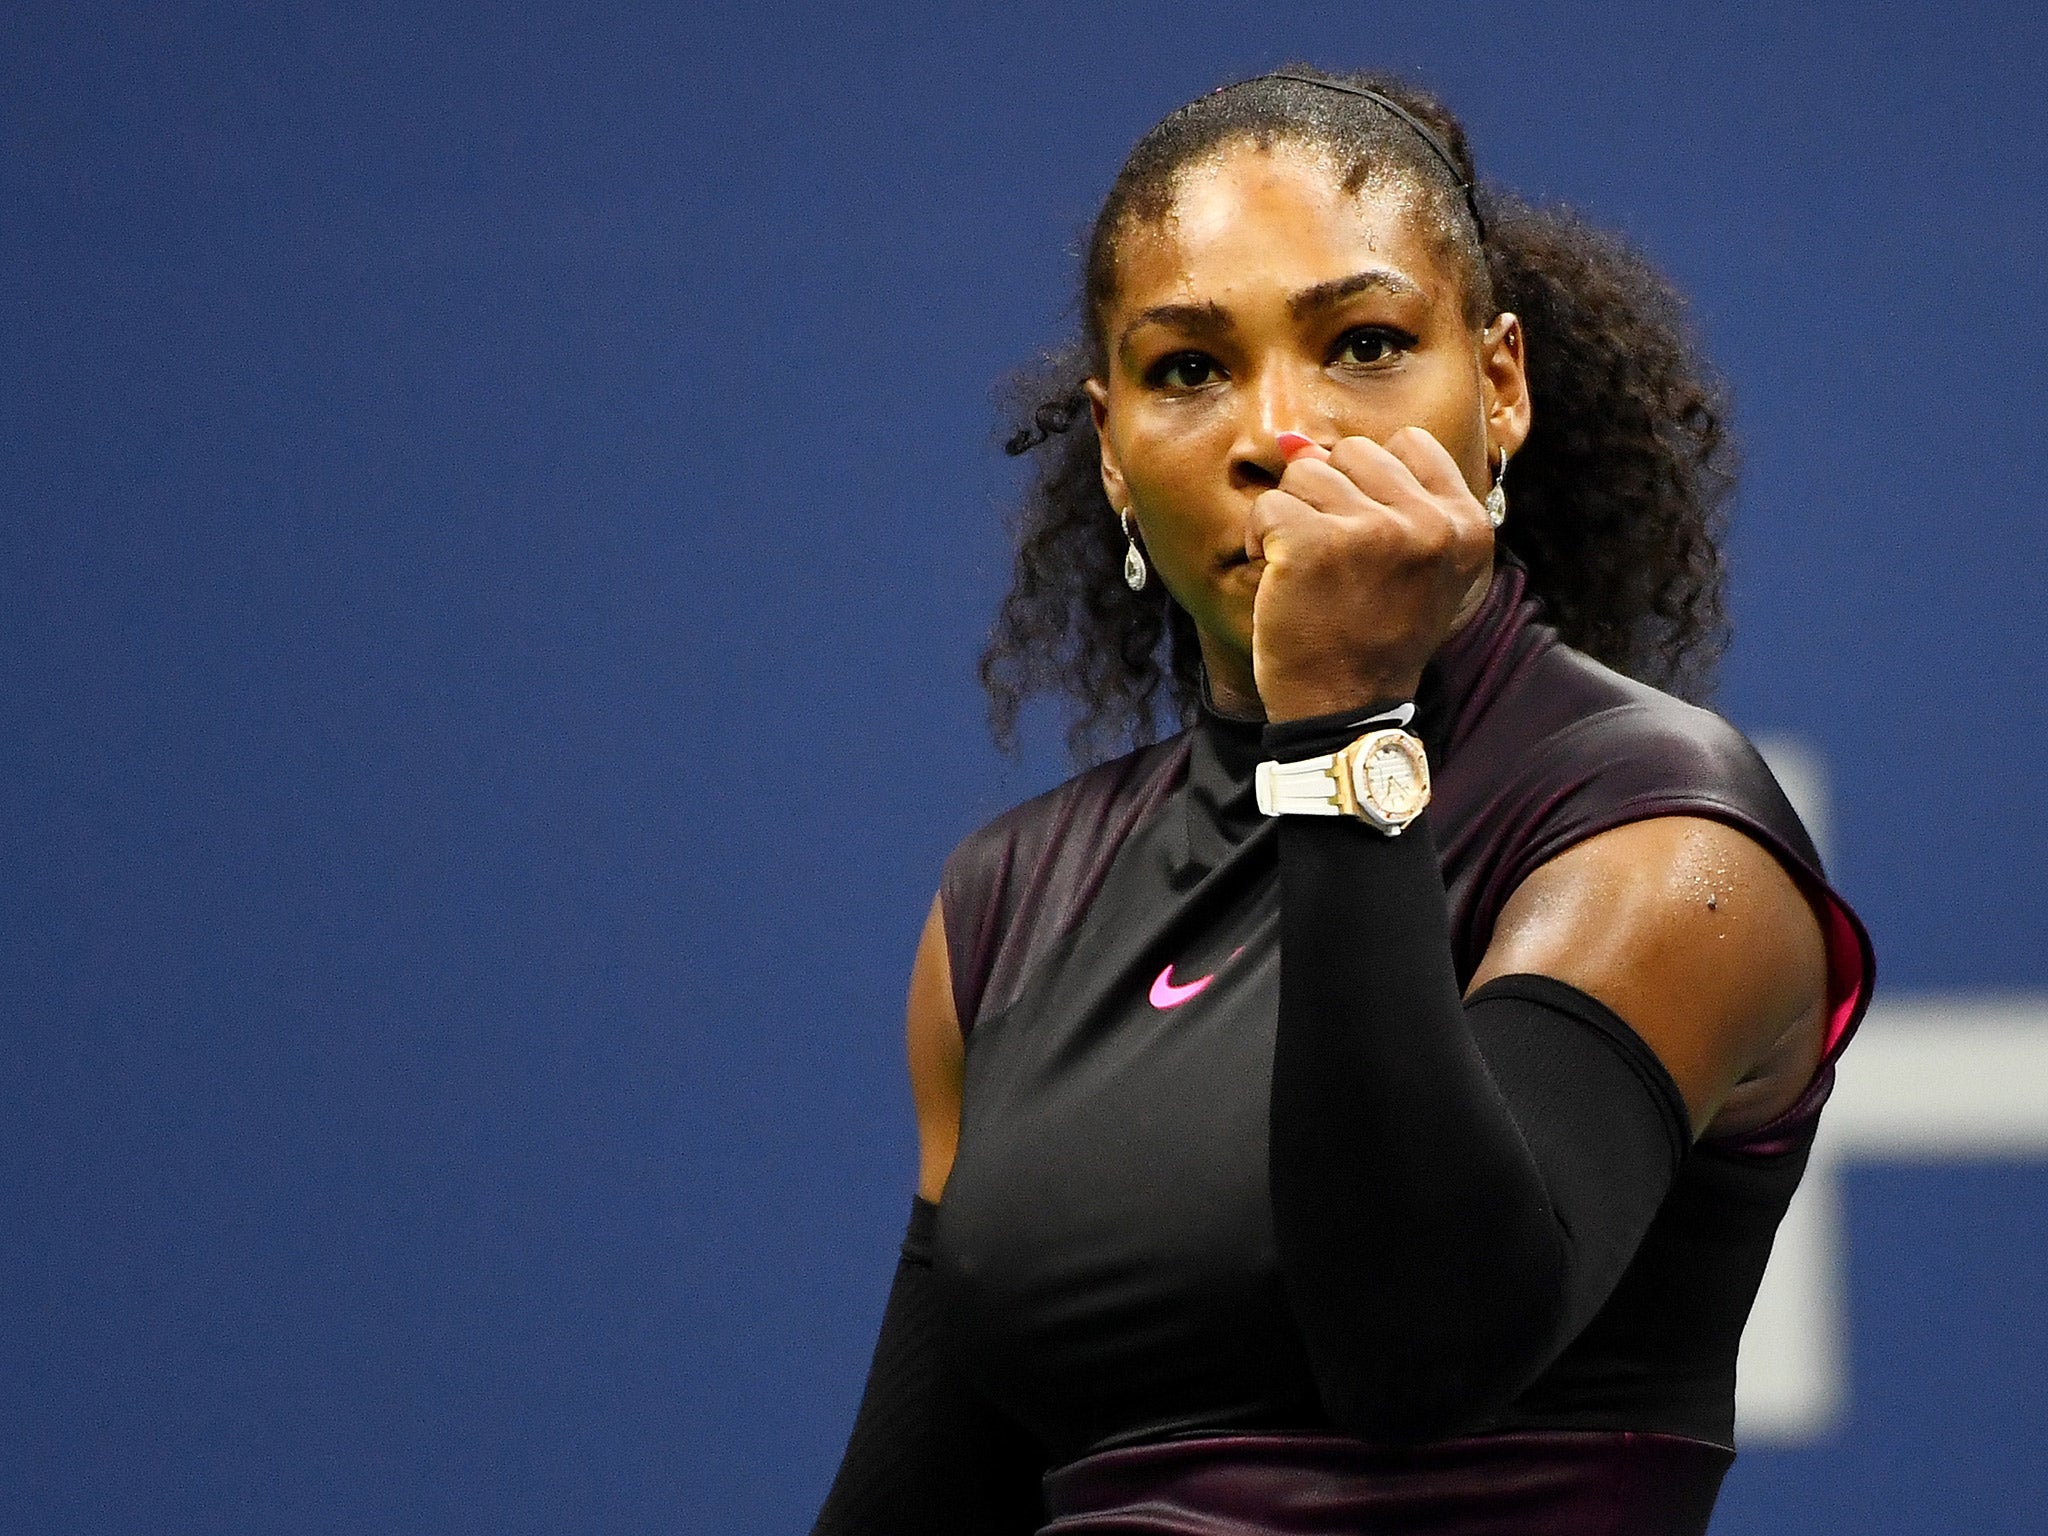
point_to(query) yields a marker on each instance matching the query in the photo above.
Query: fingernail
(1294, 444)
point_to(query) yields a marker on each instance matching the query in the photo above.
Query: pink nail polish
(1293, 444)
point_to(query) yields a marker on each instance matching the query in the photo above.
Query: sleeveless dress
(1104, 1249)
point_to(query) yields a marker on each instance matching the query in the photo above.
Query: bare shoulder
(937, 1055)
(1701, 940)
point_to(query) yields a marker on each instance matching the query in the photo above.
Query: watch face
(1391, 777)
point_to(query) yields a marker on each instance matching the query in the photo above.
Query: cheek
(1175, 457)
(1174, 513)
(1444, 401)
(1461, 419)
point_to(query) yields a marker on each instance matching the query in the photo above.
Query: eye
(1183, 370)
(1368, 346)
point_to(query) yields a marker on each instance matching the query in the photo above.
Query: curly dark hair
(1619, 494)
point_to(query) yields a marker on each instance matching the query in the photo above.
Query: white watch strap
(1306, 788)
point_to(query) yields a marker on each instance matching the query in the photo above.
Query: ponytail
(1619, 496)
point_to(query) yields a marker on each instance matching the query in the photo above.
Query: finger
(1299, 445)
(1324, 485)
(1377, 473)
(1274, 515)
(1429, 461)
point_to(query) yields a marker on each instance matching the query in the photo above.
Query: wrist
(1309, 735)
(1360, 696)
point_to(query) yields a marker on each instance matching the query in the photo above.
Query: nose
(1281, 397)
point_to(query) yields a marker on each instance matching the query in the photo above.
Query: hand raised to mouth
(1371, 552)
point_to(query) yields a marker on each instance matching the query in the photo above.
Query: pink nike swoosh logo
(1166, 994)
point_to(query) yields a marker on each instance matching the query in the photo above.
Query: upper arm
(1700, 939)
(938, 1056)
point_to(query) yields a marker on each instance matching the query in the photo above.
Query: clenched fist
(1372, 553)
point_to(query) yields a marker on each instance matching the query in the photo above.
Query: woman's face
(1269, 300)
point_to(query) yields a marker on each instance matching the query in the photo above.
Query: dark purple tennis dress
(1105, 1247)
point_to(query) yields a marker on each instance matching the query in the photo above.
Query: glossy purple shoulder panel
(1552, 1483)
(1010, 891)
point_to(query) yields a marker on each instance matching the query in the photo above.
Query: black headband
(1422, 130)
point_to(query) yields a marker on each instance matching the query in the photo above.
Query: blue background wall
(497, 510)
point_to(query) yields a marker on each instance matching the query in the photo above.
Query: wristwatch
(1382, 778)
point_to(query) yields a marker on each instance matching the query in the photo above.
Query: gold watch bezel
(1354, 781)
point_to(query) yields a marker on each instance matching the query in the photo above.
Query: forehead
(1249, 218)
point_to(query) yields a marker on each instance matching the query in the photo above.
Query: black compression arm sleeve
(1456, 1186)
(928, 1455)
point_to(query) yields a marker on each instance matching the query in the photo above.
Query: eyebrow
(1212, 319)
(1325, 295)
(1215, 319)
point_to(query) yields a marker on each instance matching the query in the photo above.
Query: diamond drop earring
(1497, 498)
(1134, 560)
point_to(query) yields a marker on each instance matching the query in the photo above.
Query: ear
(1113, 485)
(1504, 372)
